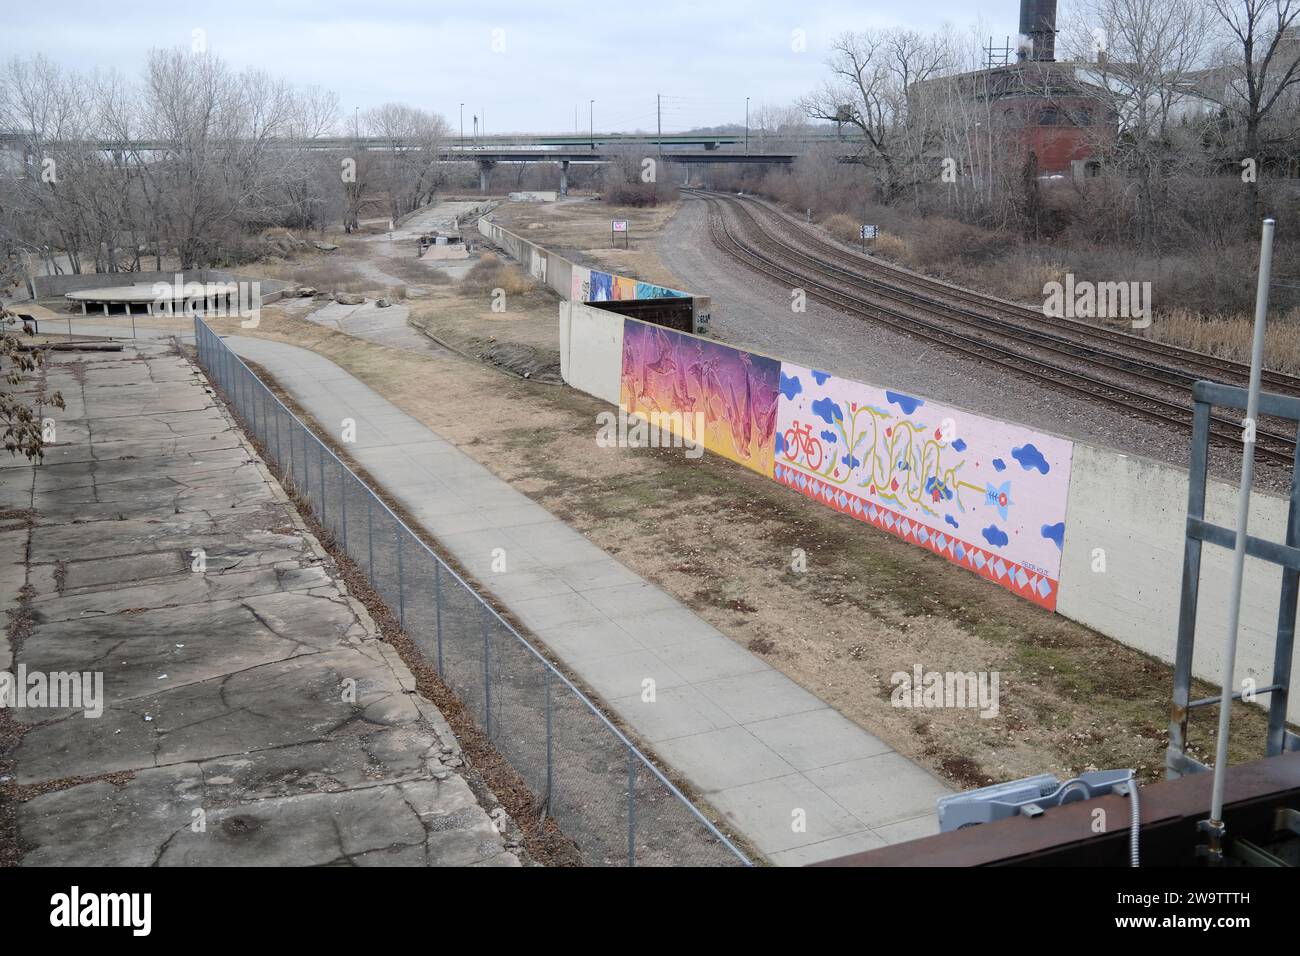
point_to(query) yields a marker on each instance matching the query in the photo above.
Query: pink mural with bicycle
(985, 494)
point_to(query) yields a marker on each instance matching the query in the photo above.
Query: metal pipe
(1239, 552)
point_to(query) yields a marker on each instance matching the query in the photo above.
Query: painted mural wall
(584, 284)
(666, 372)
(988, 495)
(592, 285)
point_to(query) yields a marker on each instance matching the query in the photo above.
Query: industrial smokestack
(1038, 25)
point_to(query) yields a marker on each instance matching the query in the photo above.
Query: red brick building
(1044, 113)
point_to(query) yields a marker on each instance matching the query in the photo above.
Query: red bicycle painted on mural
(799, 441)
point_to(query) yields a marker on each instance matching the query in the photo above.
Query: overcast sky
(705, 56)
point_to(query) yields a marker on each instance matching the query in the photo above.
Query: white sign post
(865, 233)
(620, 225)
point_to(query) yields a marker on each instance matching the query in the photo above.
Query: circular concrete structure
(162, 298)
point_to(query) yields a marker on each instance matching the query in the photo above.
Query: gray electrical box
(1028, 797)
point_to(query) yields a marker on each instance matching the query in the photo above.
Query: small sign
(620, 225)
(868, 232)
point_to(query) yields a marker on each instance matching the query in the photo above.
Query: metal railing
(616, 806)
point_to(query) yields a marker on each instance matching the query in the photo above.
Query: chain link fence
(605, 795)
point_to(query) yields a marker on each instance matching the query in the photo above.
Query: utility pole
(591, 118)
(746, 125)
(659, 113)
(659, 122)
(462, 125)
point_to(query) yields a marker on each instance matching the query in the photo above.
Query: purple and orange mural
(666, 372)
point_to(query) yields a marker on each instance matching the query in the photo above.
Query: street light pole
(462, 125)
(746, 125)
(591, 118)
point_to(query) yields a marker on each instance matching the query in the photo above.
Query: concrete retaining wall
(1134, 510)
(591, 350)
(568, 279)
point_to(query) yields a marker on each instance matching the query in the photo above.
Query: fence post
(343, 505)
(437, 607)
(631, 808)
(321, 452)
(370, 536)
(278, 460)
(550, 746)
(401, 579)
(487, 676)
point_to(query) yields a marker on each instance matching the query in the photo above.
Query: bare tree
(412, 139)
(357, 172)
(874, 76)
(1151, 53)
(772, 125)
(1262, 64)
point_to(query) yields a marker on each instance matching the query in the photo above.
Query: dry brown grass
(890, 246)
(841, 227)
(491, 273)
(1229, 336)
(319, 272)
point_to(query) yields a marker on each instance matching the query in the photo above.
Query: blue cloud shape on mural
(995, 536)
(849, 460)
(790, 385)
(959, 445)
(1055, 533)
(951, 520)
(1031, 458)
(828, 411)
(906, 402)
(821, 377)
(829, 436)
(779, 445)
(999, 464)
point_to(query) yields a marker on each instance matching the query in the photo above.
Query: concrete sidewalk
(762, 750)
(228, 733)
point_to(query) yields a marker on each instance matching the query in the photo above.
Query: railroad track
(1130, 375)
(1111, 341)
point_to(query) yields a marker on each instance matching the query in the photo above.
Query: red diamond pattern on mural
(1031, 585)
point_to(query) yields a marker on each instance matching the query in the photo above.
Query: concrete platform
(227, 720)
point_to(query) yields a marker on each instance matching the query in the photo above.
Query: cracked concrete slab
(252, 715)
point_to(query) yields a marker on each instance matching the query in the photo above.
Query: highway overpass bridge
(561, 148)
(486, 159)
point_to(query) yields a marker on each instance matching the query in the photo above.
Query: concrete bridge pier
(483, 166)
(564, 177)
